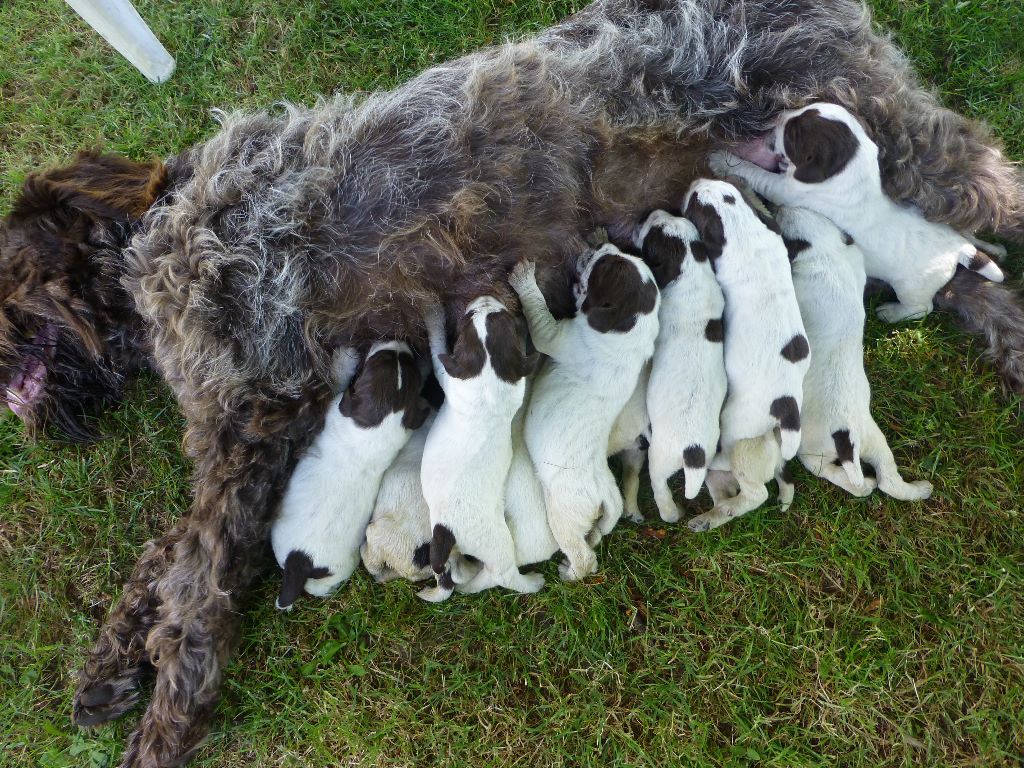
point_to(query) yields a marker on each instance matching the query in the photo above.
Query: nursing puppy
(827, 163)
(596, 358)
(766, 350)
(330, 496)
(688, 381)
(838, 431)
(398, 537)
(469, 449)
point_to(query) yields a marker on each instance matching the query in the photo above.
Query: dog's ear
(97, 185)
(818, 147)
(414, 408)
(709, 227)
(506, 347)
(468, 356)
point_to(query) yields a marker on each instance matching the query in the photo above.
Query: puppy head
(389, 382)
(665, 241)
(69, 333)
(488, 331)
(616, 290)
(817, 142)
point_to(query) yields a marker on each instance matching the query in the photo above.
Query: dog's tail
(441, 544)
(995, 314)
(977, 261)
(298, 569)
(695, 470)
(848, 455)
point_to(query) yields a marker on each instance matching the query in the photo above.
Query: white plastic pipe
(121, 26)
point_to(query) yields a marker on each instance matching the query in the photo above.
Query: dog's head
(69, 333)
(665, 241)
(390, 382)
(489, 331)
(614, 290)
(720, 213)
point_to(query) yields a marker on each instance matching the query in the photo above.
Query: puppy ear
(414, 407)
(468, 356)
(709, 226)
(506, 347)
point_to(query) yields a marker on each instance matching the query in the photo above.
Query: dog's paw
(99, 703)
(895, 311)
(710, 520)
(722, 163)
(531, 582)
(633, 515)
(523, 274)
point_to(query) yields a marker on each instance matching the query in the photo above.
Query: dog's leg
(878, 454)
(721, 484)
(752, 466)
(661, 467)
(240, 476)
(569, 526)
(108, 682)
(545, 331)
(632, 464)
(820, 465)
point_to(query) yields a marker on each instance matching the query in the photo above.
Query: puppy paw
(523, 274)
(100, 702)
(633, 515)
(531, 582)
(722, 163)
(715, 518)
(895, 311)
(568, 571)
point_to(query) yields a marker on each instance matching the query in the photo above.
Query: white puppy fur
(330, 495)
(913, 255)
(398, 537)
(595, 362)
(828, 276)
(766, 349)
(688, 380)
(469, 450)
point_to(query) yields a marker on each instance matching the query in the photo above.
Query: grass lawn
(845, 632)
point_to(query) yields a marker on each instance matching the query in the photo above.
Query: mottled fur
(292, 233)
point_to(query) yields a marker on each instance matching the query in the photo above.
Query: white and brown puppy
(469, 449)
(826, 162)
(838, 430)
(766, 350)
(398, 537)
(330, 495)
(595, 361)
(688, 381)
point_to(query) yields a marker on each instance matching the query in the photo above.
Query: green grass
(845, 632)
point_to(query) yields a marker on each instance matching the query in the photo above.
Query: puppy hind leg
(632, 464)
(569, 526)
(499, 568)
(753, 464)
(661, 467)
(786, 486)
(878, 454)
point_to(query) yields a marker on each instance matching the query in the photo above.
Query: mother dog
(287, 235)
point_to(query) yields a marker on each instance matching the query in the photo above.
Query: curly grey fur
(295, 232)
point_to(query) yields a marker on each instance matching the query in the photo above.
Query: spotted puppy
(766, 350)
(595, 360)
(468, 451)
(330, 495)
(838, 431)
(398, 537)
(823, 160)
(688, 381)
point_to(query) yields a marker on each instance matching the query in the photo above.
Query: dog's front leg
(545, 331)
(773, 186)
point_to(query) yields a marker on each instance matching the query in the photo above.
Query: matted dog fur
(293, 232)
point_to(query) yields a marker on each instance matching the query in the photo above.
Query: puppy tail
(993, 313)
(694, 480)
(977, 261)
(789, 442)
(441, 544)
(298, 568)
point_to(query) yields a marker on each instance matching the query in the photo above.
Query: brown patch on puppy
(694, 457)
(298, 568)
(787, 473)
(709, 226)
(786, 410)
(506, 348)
(795, 246)
(664, 255)
(818, 147)
(421, 555)
(844, 447)
(729, 199)
(468, 356)
(715, 330)
(847, 237)
(796, 349)
(616, 295)
(979, 261)
(389, 382)
(441, 544)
